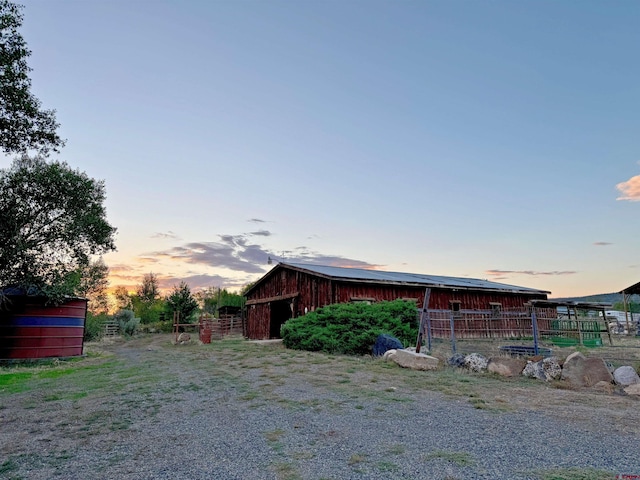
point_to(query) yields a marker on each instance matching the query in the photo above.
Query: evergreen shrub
(351, 328)
(128, 322)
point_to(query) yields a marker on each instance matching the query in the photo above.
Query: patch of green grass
(357, 458)
(303, 455)
(386, 466)
(574, 473)
(396, 449)
(8, 466)
(478, 403)
(55, 373)
(462, 459)
(15, 382)
(251, 395)
(286, 471)
(274, 435)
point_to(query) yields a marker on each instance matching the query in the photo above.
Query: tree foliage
(122, 298)
(52, 221)
(351, 328)
(93, 285)
(181, 300)
(149, 291)
(212, 298)
(24, 125)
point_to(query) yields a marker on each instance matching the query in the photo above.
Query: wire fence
(534, 331)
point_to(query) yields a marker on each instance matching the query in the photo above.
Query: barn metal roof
(632, 290)
(379, 276)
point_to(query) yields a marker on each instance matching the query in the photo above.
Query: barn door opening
(280, 313)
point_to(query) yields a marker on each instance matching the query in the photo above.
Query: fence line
(526, 326)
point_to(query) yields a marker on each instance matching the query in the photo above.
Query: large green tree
(181, 300)
(52, 221)
(24, 125)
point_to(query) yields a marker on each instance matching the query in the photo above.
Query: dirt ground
(53, 415)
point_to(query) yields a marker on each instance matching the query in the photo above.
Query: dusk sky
(486, 139)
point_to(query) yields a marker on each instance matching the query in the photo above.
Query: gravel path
(201, 413)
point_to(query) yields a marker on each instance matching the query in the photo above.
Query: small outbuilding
(293, 289)
(626, 298)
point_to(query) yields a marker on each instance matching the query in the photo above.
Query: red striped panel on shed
(30, 329)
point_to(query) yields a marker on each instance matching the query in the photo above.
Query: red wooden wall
(301, 290)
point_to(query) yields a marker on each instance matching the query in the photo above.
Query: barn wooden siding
(302, 290)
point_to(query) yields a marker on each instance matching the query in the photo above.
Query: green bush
(351, 328)
(94, 327)
(127, 321)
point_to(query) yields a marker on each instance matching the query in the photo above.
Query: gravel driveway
(147, 409)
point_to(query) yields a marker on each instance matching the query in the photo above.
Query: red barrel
(31, 329)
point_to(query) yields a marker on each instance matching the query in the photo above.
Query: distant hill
(599, 298)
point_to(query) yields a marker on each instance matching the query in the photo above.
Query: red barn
(292, 289)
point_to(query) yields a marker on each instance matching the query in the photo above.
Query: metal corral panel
(29, 329)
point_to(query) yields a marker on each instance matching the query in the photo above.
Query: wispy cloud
(503, 273)
(232, 253)
(630, 189)
(262, 233)
(120, 268)
(602, 244)
(147, 259)
(239, 254)
(166, 235)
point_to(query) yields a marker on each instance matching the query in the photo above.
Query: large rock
(633, 389)
(625, 376)
(534, 370)
(580, 371)
(385, 342)
(184, 338)
(413, 360)
(456, 360)
(476, 362)
(546, 369)
(506, 366)
(552, 369)
(388, 354)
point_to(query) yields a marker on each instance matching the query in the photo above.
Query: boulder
(534, 370)
(551, 368)
(546, 369)
(626, 376)
(633, 389)
(580, 371)
(184, 338)
(456, 360)
(387, 355)
(414, 361)
(385, 342)
(476, 362)
(506, 366)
